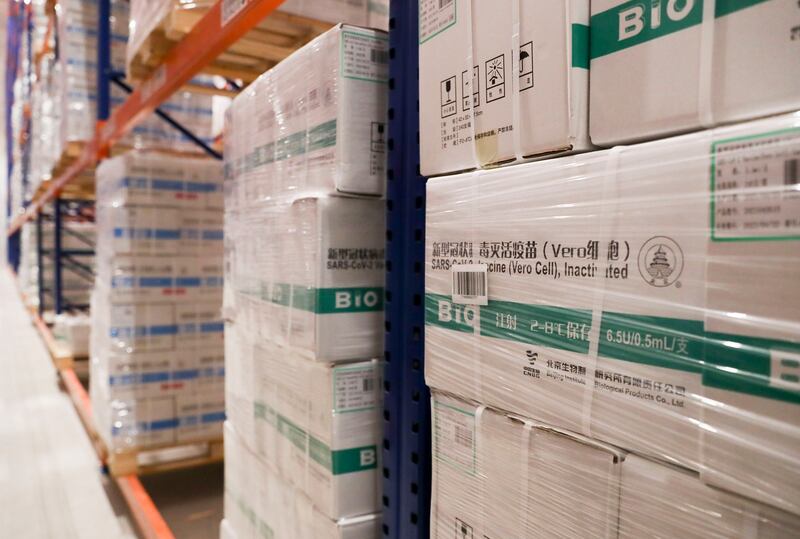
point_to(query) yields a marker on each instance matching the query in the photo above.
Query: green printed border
(341, 55)
(336, 461)
(605, 24)
(713, 220)
(264, 529)
(315, 300)
(735, 363)
(419, 23)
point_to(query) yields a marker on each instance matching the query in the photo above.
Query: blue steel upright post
(58, 252)
(406, 413)
(103, 60)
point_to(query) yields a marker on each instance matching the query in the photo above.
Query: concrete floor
(51, 483)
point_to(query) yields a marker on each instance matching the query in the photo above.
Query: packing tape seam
(705, 111)
(480, 472)
(515, 89)
(470, 59)
(526, 451)
(609, 220)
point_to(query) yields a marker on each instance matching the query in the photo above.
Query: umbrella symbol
(522, 56)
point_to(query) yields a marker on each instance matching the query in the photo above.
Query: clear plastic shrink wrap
(261, 503)
(147, 15)
(642, 301)
(304, 272)
(157, 350)
(78, 85)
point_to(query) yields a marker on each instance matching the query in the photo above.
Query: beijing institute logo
(661, 261)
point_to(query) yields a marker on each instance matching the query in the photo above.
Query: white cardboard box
(161, 279)
(488, 95)
(316, 424)
(673, 502)
(605, 293)
(659, 68)
(751, 445)
(260, 503)
(314, 124)
(312, 277)
(501, 476)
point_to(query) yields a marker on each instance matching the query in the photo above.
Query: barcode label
(454, 436)
(754, 187)
(378, 56)
(354, 388)
(791, 172)
(470, 284)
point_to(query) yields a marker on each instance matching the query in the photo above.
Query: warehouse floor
(51, 485)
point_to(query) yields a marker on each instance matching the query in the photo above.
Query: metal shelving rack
(406, 413)
(209, 38)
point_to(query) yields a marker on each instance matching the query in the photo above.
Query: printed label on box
(365, 57)
(354, 388)
(454, 436)
(755, 187)
(435, 16)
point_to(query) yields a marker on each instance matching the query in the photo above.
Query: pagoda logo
(661, 261)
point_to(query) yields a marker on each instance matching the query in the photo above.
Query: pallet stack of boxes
(158, 24)
(157, 348)
(78, 86)
(304, 273)
(612, 337)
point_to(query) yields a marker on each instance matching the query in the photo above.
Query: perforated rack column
(406, 412)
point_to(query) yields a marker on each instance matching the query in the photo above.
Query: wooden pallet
(272, 40)
(150, 460)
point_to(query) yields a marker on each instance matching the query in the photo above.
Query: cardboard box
(652, 495)
(141, 230)
(659, 68)
(312, 277)
(315, 123)
(199, 325)
(161, 279)
(316, 424)
(502, 476)
(576, 332)
(153, 179)
(752, 319)
(602, 301)
(260, 503)
(486, 98)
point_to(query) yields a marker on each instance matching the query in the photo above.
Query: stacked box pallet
(612, 338)
(157, 335)
(78, 93)
(157, 25)
(305, 169)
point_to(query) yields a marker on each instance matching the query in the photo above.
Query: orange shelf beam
(207, 40)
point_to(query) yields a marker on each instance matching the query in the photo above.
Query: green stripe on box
(440, 311)
(744, 365)
(580, 46)
(638, 21)
(357, 299)
(338, 462)
(356, 459)
(554, 327)
(671, 343)
(322, 136)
